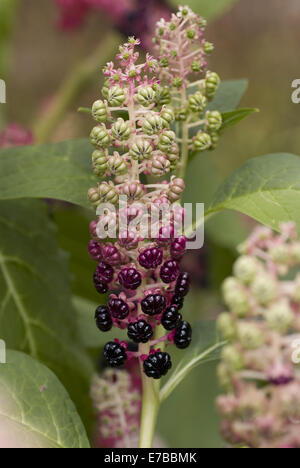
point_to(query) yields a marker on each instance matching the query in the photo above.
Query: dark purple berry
(101, 287)
(178, 248)
(140, 331)
(130, 278)
(115, 354)
(105, 272)
(111, 255)
(183, 284)
(118, 308)
(169, 271)
(151, 258)
(178, 301)
(171, 318)
(95, 250)
(103, 319)
(158, 364)
(183, 335)
(153, 304)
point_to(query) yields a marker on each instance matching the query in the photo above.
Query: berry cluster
(141, 270)
(182, 53)
(260, 364)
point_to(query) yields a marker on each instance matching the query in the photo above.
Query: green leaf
(60, 171)
(7, 16)
(265, 188)
(210, 9)
(35, 409)
(36, 312)
(205, 348)
(228, 95)
(232, 118)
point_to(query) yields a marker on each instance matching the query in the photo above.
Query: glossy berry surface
(115, 354)
(178, 301)
(154, 304)
(140, 331)
(158, 364)
(105, 272)
(171, 318)
(111, 255)
(118, 308)
(95, 251)
(101, 287)
(103, 319)
(178, 248)
(183, 335)
(130, 278)
(183, 284)
(169, 271)
(151, 258)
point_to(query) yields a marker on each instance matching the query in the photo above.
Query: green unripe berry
(141, 149)
(214, 121)
(100, 162)
(202, 141)
(152, 125)
(105, 88)
(108, 193)
(100, 137)
(208, 48)
(245, 269)
(231, 356)
(212, 82)
(167, 116)
(264, 288)
(99, 111)
(166, 141)
(202, 22)
(121, 130)
(117, 165)
(164, 62)
(196, 66)
(146, 96)
(224, 375)
(281, 254)
(226, 325)
(197, 102)
(162, 95)
(191, 34)
(160, 166)
(181, 115)
(172, 27)
(214, 140)
(177, 82)
(249, 335)
(279, 316)
(235, 297)
(116, 96)
(94, 196)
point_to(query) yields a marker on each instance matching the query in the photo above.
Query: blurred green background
(255, 39)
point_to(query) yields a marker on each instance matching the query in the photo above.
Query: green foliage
(205, 348)
(35, 409)
(37, 315)
(265, 188)
(209, 9)
(7, 10)
(234, 117)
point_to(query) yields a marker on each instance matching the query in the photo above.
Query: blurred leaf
(60, 171)
(209, 9)
(227, 229)
(89, 333)
(265, 188)
(205, 348)
(228, 95)
(73, 237)
(35, 409)
(232, 118)
(37, 315)
(7, 13)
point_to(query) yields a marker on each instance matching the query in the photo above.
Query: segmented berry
(111, 255)
(103, 319)
(151, 258)
(118, 308)
(95, 250)
(115, 354)
(153, 304)
(130, 278)
(157, 365)
(183, 284)
(178, 301)
(171, 318)
(178, 248)
(169, 271)
(183, 335)
(105, 272)
(140, 331)
(101, 287)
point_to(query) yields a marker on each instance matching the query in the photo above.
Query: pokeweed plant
(141, 270)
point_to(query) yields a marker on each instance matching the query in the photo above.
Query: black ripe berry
(100, 286)
(157, 364)
(183, 335)
(103, 319)
(178, 301)
(140, 331)
(115, 354)
(183, 284)
(154, 304)
(171, 318)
